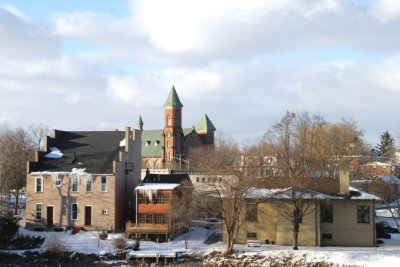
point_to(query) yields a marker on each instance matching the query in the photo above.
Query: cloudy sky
(97, 65)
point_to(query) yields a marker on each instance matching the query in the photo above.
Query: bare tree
(307, 146)
(16, 151)
(230, 181)
(36, 134)
(184, 211)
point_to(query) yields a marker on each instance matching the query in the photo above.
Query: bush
(26, 242)
(9, 225)
(55, 245)
(119, 243)
(103, 235)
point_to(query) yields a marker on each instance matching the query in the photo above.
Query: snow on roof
(55, 153)
(73, 171)
(122, 143)
(157, 186)
(286, 193)
(389, 178)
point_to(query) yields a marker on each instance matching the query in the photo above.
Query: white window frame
(91, 185)
(101, 183)
(72, 184)
(104, 212)
(41, 211)
(57, 182)
(41, 184)
(72, 211)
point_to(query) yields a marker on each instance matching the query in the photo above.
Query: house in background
(344, 218)
(84, 179)
(161, 203)
(385, 186)
(168, 147)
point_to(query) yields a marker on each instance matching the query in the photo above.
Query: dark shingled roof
(166, 178)
(94, 150)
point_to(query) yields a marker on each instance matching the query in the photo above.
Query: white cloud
(188, 33)
(22, 38)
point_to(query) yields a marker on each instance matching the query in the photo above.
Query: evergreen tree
(386, 145)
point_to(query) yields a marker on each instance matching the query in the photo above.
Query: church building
(168, 147)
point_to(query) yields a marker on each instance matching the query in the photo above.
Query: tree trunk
(229, 245)
(295, 239)
(16, 201)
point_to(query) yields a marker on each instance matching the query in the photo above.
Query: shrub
(119, 243)
(55, 245)
(103, 235)
(26, 242)
(9, 225)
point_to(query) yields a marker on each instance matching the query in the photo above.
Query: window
(142, 198)
(169, 120)
(104, 212)
(74, 211)
(38, 211)
(149, 218)
(158, 165)
(142, 218)
(326, 213)
(148, 165)
(197, 179)
(39, 185)
(251, 235)
(57, 182)
(158, 218)
(251, 212)
(326, 236)
(165, 219)
(74, 184)
(362, 214)
(165, 197)
(103, 187)
(89, 185)
(158, 198)
(149, 199)
(203, 179)
(168, 144)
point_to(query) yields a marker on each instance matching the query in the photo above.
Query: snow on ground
(387, 254)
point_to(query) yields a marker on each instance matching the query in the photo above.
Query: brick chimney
(344, 182)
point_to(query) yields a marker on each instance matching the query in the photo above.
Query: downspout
(136, 201)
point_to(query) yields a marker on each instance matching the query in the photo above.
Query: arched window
(169, 120)
(158, 165)
(168, 144)
(148, 165)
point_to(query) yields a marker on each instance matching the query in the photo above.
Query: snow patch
(157, 186)
(122, 143)
(55, 153)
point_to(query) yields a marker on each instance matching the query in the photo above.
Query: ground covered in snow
(387, 254)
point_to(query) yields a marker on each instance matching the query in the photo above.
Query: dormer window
(147, 143)
(156, 143)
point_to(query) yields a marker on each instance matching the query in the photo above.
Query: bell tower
(172, 134)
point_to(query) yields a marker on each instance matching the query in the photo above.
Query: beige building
(334, 220)
(84, 179)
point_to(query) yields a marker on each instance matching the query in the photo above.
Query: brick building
(168, 147)
(84, 179)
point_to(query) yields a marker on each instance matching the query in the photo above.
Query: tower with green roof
(205, 129)
(173, 133)
(139, 124)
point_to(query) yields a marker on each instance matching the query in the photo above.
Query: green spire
(173, 99)
(205, 124)
(140, 121)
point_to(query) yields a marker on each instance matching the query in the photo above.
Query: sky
(98, 65)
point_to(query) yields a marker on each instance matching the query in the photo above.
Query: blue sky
(98, 65)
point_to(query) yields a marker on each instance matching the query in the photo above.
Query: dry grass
(55, 244)
(119, 243)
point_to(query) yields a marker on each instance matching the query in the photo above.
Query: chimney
(127, 138)
(344, 182)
